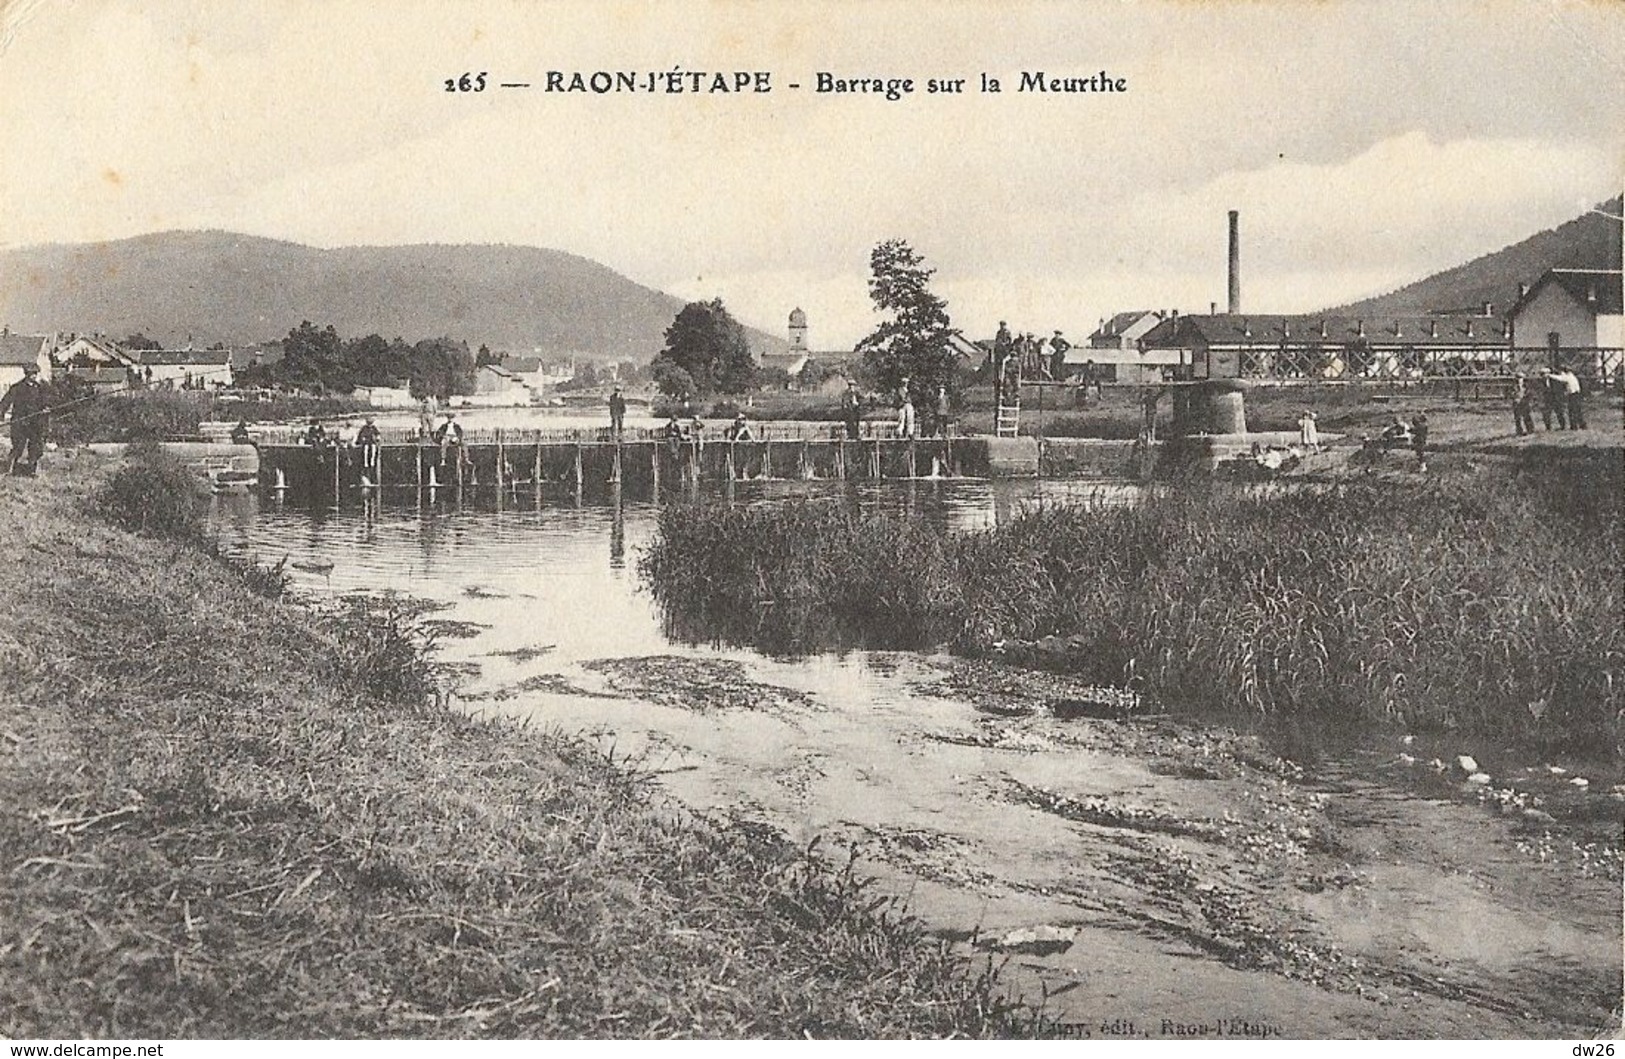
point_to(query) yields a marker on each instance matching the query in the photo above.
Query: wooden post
(840, 458)
(419, 453)
(913, 472)
(767, 459)
(579, 471)
(499, 459)
(536, 474)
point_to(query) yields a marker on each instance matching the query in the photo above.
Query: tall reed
(1488, 600)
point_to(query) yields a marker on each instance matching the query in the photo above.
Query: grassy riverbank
(1485, 597)
(217, 819)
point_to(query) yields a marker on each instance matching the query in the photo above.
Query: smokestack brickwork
(1235, 262)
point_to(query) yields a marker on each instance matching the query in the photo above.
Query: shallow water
(1176, 878)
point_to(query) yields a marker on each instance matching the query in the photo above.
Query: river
(1155, 879)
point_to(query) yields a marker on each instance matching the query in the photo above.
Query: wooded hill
(207, 287)
(1589, 241)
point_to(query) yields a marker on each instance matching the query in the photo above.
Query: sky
(1365, 143)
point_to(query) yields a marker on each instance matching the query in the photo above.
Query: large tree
(312, 359)
(912, 341)
(707, 343)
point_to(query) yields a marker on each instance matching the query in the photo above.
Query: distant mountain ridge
(210, 286)
(1589, 241)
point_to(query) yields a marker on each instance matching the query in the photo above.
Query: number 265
(466, 83)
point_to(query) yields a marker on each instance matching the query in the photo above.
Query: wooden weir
(640, 465)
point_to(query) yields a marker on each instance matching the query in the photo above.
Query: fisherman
(1002, 352)
(1523, 419)
(1571, 396)
(739, 430)
(315, 434)
(617, 410)
(28, 401)
(944, 417)
(1553, 400)
(240, 434)
(1059, 347)
(1419, 440)
(852, 409)
(368, 438)
(905, 417)
(449, 436)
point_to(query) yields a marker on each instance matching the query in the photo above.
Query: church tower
(798, 331)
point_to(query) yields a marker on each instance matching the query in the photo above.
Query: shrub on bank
(1478, 601)
(152, 494)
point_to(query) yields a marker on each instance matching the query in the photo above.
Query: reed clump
(1486, 599)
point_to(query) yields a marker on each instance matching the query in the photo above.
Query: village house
(1224, 345)
(1575, 313)
(99, 363)
(175, 369)
(1112, 352)
(496, 381)
(19, 350)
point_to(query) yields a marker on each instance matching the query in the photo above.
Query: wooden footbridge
(510, 463)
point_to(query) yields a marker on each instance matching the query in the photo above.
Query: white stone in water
(1556, 770)
(1535, 816)
(1480, 778)
(1580, 781)
(1466, 764)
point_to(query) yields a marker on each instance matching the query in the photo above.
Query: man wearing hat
(1059, 347)
(29, 403)
(617, 410)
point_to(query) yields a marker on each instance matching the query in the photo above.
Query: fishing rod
(126, 388)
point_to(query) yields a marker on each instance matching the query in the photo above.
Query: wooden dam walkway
(645, 464)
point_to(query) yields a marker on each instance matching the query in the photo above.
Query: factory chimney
(1235, 262)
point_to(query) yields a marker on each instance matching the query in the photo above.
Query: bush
(152, 494)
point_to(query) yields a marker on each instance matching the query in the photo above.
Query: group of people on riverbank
(1562, 400)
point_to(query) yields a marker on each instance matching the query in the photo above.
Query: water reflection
(537, 561)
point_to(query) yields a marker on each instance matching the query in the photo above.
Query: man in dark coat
(29, 402)
(617, 411)
(852, 410)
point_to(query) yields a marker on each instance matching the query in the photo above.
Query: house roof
(498, 370)
(1587, 286)
(523, 365)
(105, 346)
(1119, 323)
(20, 349)
(1274, 330)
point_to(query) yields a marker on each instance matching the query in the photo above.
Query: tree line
(316, 360)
